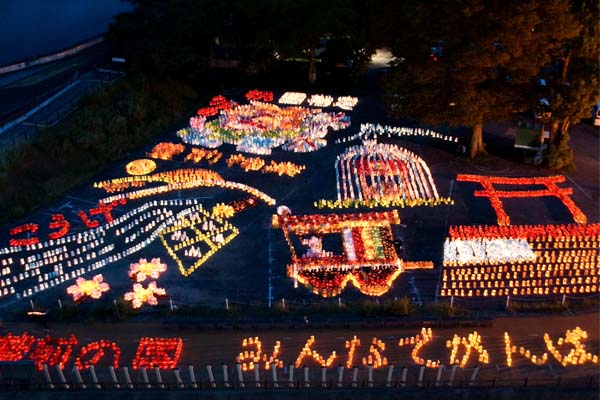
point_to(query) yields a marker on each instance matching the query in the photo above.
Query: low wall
(50, 57)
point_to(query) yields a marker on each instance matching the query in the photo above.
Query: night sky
(33, 27)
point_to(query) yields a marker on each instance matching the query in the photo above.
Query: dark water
(33, 27)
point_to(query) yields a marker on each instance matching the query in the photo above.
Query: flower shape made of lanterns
(144, 269)
(141, 295)
(88, 288)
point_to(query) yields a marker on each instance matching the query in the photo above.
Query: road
(67, 79)
(22, 90)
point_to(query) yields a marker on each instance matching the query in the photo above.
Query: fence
(51, 57)
(212, 377)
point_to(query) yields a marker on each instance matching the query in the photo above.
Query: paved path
(53, 109)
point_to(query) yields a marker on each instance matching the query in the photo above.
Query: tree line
(458, 62)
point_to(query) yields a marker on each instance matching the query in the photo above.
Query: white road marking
(579, 187)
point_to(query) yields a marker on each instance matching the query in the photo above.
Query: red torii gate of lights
(496, 196)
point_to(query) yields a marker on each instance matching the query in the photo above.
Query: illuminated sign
(165, 353)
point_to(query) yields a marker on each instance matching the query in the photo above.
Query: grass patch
(107, 126)
(536, 307)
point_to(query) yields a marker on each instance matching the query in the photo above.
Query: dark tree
(302, 24)
(570, 82)
(171, 39)
(177, 38)
(466, 61)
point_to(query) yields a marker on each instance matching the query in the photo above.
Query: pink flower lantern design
(144, 269)
(88, 288)
(141, 295)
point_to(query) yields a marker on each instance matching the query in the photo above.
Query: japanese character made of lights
(163, 353)
(463, 349)
(31, 269)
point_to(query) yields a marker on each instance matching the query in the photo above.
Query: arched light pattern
(374, 173)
